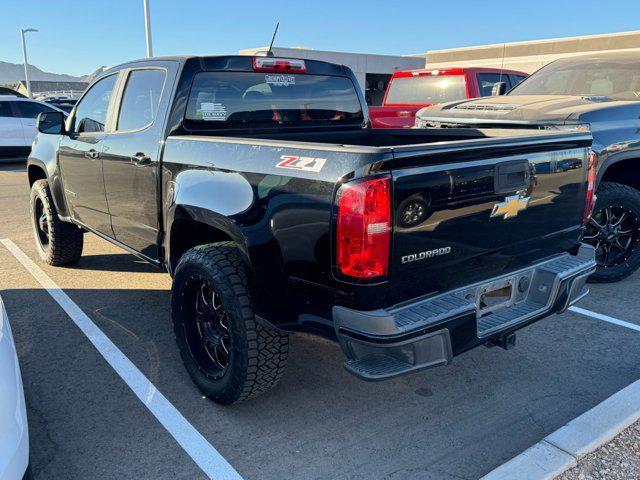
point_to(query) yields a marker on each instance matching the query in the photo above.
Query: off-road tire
(65, 239)
(611, 194)
(258, 352)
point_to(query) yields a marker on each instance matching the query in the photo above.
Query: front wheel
(614, 231)
(228, 353)
(57, 242)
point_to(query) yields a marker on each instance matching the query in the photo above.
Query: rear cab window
(228, 100)
(421, 89)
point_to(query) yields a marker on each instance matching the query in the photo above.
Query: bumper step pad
(376, 367)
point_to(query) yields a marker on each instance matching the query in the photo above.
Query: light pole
(147, 28)
(26, 64)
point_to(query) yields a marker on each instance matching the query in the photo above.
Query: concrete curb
(562, 449)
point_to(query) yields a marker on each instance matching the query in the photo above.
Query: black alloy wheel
(207, 333)
(613, 231)
(58, 242)
(41, 223)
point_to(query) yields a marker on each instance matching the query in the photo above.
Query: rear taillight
(271, 64)
(591, 187)
(363, 232)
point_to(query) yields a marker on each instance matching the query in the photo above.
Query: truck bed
(452, 173)
(394, 137)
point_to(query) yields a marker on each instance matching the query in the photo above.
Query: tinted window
(486, 81)
(91, 113)
(426, 89)
(30, 109)
(5, 109)
(613, 79)
(222, 100)
(141, 97)
(516, 79)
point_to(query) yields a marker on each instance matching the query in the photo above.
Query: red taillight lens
(591, 187)
(363, 231)
(271, 64)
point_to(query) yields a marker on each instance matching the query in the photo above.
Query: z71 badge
(307, 164)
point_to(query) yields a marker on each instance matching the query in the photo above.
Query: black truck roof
(232, 63)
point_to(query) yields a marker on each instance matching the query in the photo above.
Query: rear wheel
(228, 353)
(57, 242)
(614, 231)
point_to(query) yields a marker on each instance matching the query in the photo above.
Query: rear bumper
(425, 333)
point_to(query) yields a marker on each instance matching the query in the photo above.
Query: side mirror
(51, 123)
(499, 88)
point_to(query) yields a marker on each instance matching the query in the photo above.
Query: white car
(14, 432)
(18, 125)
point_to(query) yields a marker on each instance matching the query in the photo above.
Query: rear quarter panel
(279, 217)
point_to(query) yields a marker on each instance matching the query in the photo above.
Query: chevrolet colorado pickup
(410, 90)
(599, 93)
(257, 183)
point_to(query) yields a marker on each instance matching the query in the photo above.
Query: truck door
(130, 158)
(79, 157)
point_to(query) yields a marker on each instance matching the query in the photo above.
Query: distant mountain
(11, 73)
(92, 76)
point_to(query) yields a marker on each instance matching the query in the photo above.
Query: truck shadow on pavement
(114, 262)
(320, 422)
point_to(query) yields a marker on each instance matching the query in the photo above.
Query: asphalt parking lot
(454, 422)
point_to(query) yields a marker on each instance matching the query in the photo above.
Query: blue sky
(76, 36)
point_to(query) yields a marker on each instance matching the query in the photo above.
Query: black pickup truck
(599, 93)
(258, 184)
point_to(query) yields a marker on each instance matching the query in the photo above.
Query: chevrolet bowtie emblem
(510, 207)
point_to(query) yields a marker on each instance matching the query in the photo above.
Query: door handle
(140, 159)
(92, 154)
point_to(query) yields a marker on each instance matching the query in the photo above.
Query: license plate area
(494, 296)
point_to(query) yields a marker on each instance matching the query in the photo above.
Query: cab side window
(5, 109)
(91, 112)
(140, 100)
(26, 109)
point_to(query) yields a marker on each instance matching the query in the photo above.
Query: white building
(530, 56)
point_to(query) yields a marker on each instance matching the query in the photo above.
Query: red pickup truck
(411, 90)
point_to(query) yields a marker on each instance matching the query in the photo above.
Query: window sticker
(280, 80)
(213, 112)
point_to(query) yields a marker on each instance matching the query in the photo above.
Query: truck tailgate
(474, 210)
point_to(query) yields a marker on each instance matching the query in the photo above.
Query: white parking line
(605, 318)
(193, 443)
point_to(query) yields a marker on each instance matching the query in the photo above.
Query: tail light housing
(363, 230)
(272, 64)
(591, 186)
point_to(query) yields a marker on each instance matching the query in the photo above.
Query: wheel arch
(35, 172)
(190, 226)
(37, 169)
(621, 168)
